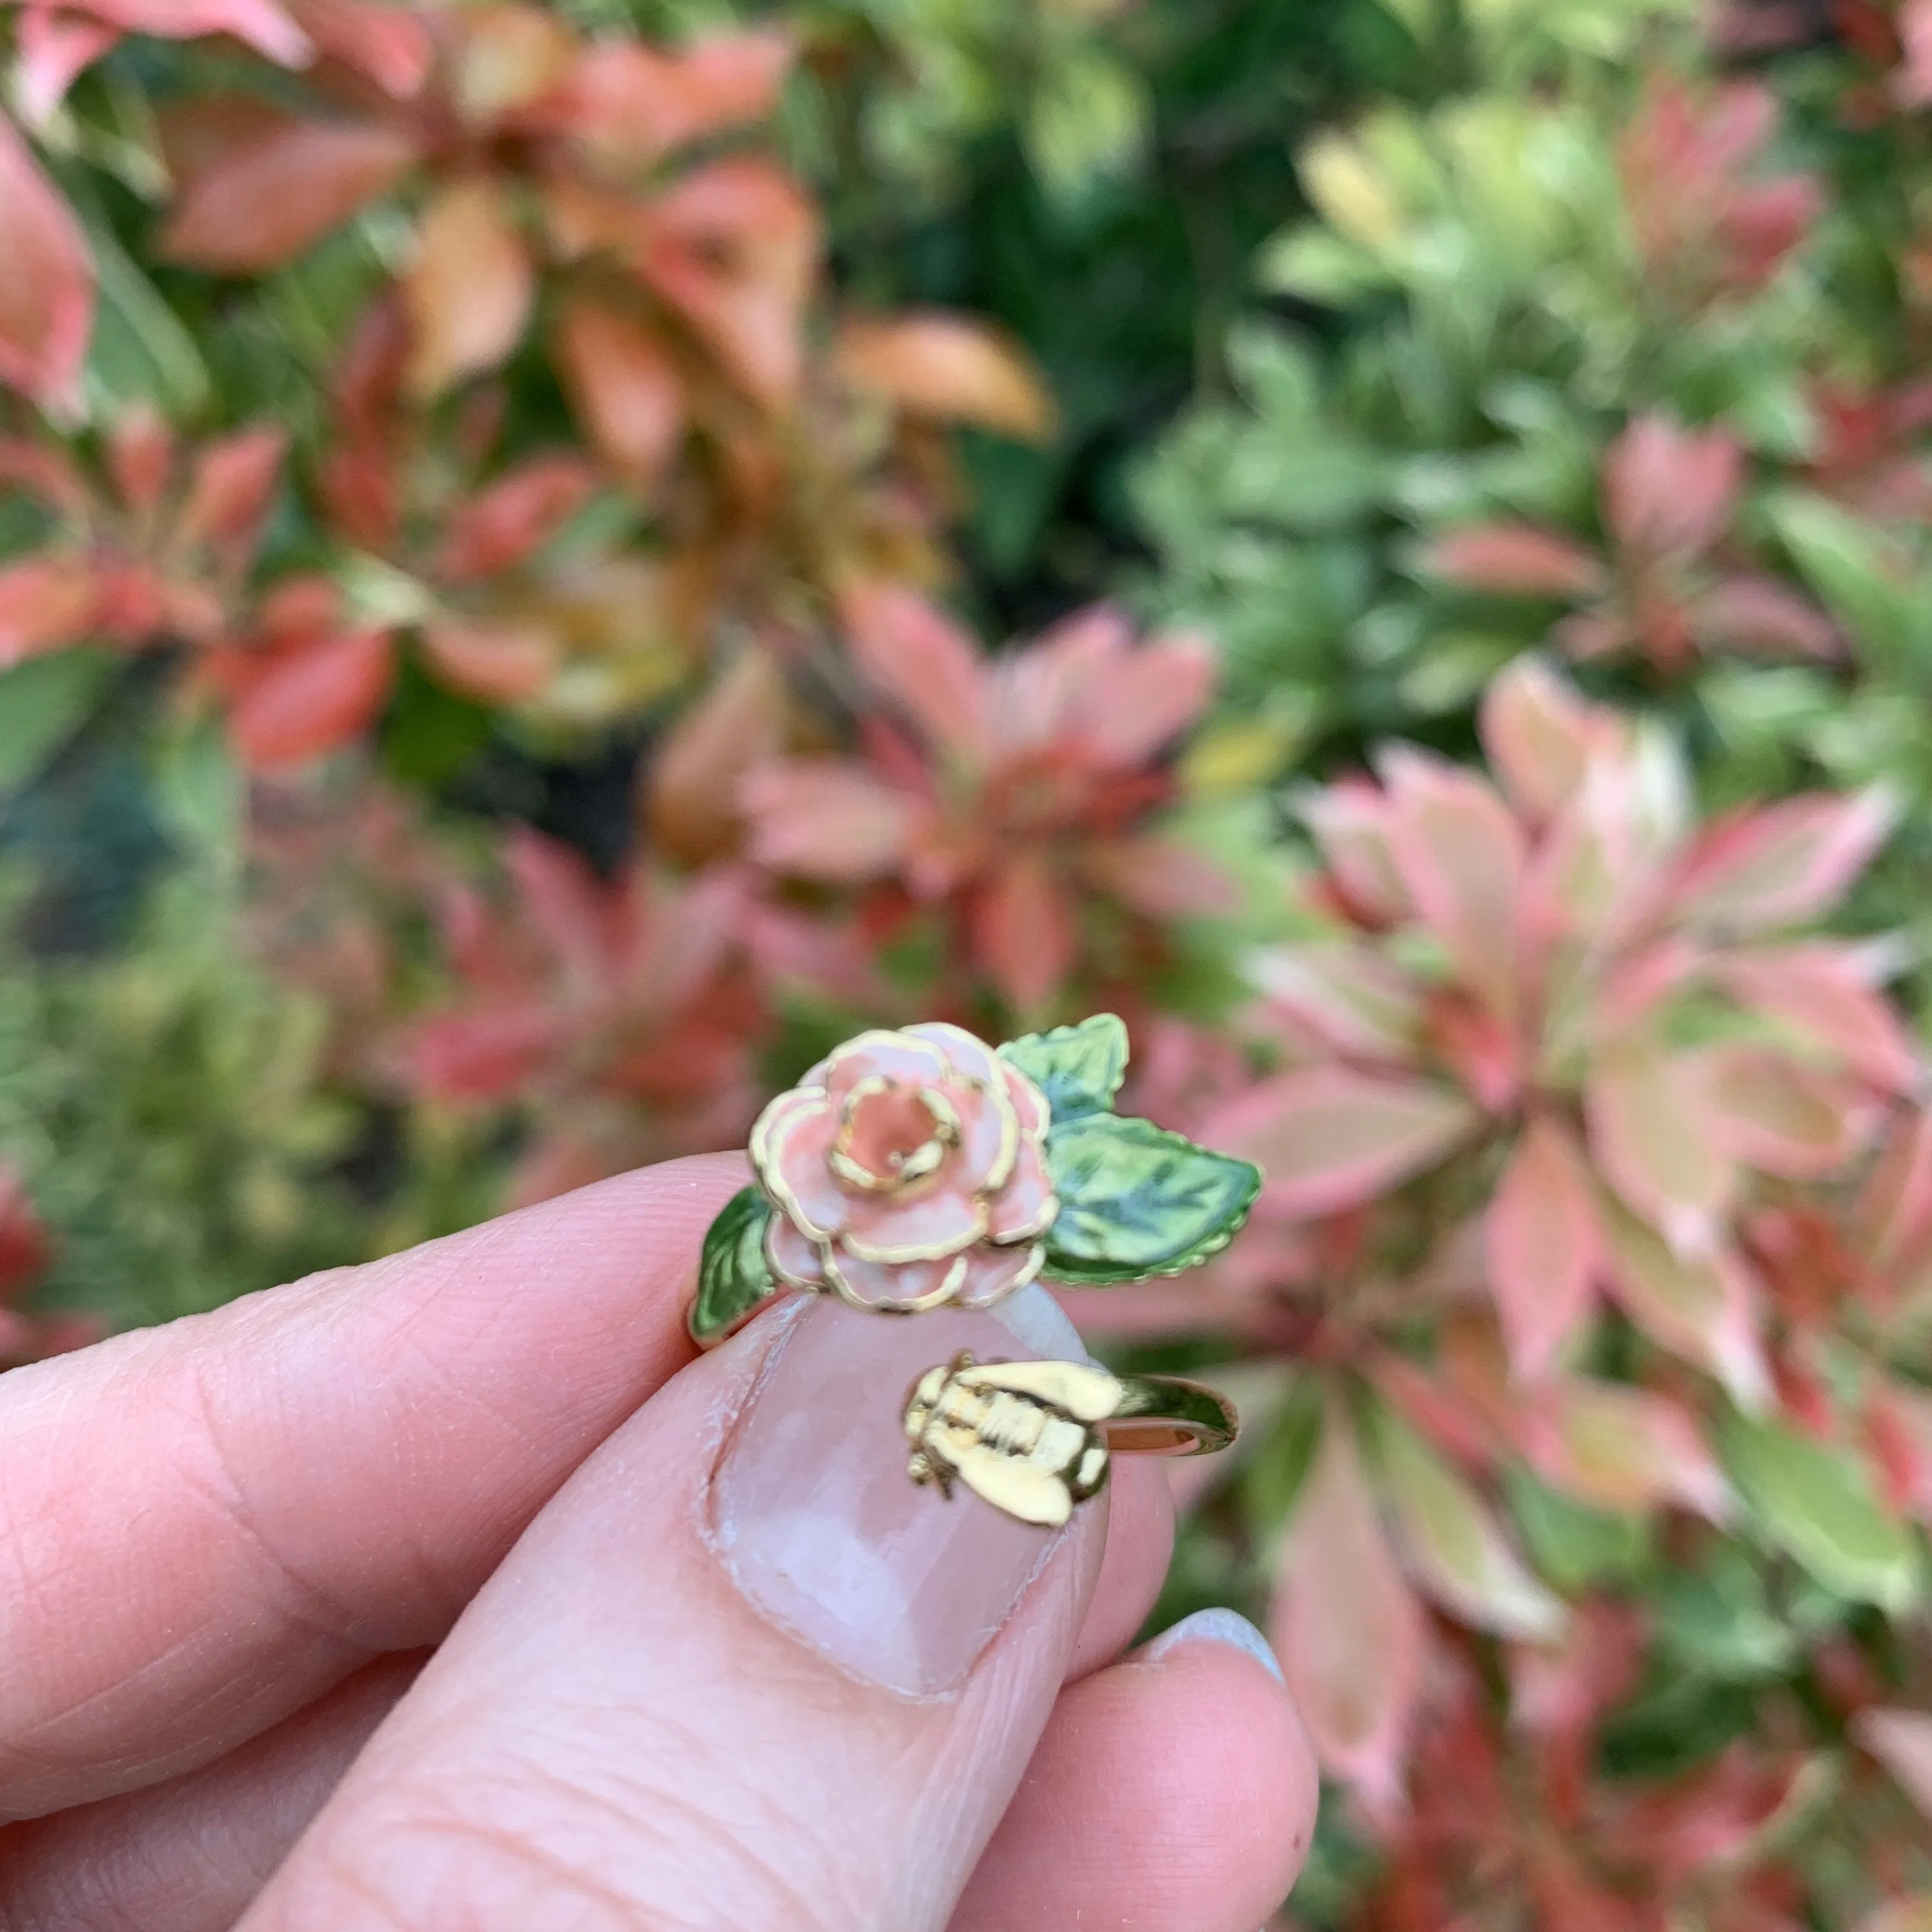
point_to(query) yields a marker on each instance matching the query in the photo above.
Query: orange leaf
(950, 368)
(1346, 1627)
(46, 286)
(312, 700)
(1543, 1243)
(498, 664)
(1329, 1137)
(734, 247)
(624, 389)
(270, 192)
(629, 105)
(468, 290)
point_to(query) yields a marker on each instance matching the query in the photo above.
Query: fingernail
(819, 1525)
(1227, 1627)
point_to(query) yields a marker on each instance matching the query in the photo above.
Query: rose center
(891, 1135)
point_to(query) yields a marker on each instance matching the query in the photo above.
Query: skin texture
(396, 1598)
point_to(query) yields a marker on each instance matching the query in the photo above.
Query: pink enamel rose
(907, 1170)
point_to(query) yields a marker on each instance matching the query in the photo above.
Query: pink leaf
(924, 662)
(1544, 1246)
(1647, 1138)
(1897, 1422)
(562, 900)
(391, 44)
(1541, 737)
(1457, 1549)
(1901, 1741)
(312, 700)
(1461, 857)
(1819, 995)
(1350, 822)
(1703, 1308)
(1145, 701)
(624, 389)
(1761, 617)
(46, 602)
(514, 517)
(55, 49)
(1162, 878)
(1023, 933)
(825, 818)
(47, 287)
(1348, 1630)
(1669, 491)
(697, 771)
(1763, 867)
(275, 185)
(1766, 1111)
(230, 491)
(258, 23)
(469, 291)
(1615, 1447)
(481, 1056)
(1329, 1137)
(1515, 560)
(1349, 999)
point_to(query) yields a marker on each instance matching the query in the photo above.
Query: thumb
(741, 1673)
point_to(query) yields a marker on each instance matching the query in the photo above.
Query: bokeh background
(555, 560)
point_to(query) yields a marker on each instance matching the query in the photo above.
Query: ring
(1035, 1438)
(921, 1168)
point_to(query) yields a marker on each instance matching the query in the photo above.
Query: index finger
(203, 1527)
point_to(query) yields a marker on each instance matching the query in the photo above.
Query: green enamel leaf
(1816, 1505)
(1136, 1200)
(1079, 1068)
(733, 1275)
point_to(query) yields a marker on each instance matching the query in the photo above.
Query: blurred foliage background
(556, 560)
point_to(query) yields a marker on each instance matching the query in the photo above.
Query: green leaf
(43, 703)
(1855, 569)
(1815, 1505)
(1079, 1068)
(733, 1274)
(1136, 1200)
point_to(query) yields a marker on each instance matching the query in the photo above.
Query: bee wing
(1020, 1489)
(1084, 1392)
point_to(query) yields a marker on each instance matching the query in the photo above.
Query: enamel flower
(908, 1169)
(913, 1169)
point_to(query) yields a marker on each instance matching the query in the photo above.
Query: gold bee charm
(1033, 1438)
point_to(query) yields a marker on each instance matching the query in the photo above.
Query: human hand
(448, 1593)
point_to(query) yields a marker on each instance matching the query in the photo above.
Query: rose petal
(989, 1136)
(1026, 1205)
(993, 1273)
(796, 1260)
(939, 1224)
(971, 1058)
(1029, 1102)
(890, 1056)
(876, 1284)
(791, 1149)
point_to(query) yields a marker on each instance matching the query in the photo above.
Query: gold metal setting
(1034, 1439)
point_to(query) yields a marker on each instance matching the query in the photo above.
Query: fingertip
(1140, 1543)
